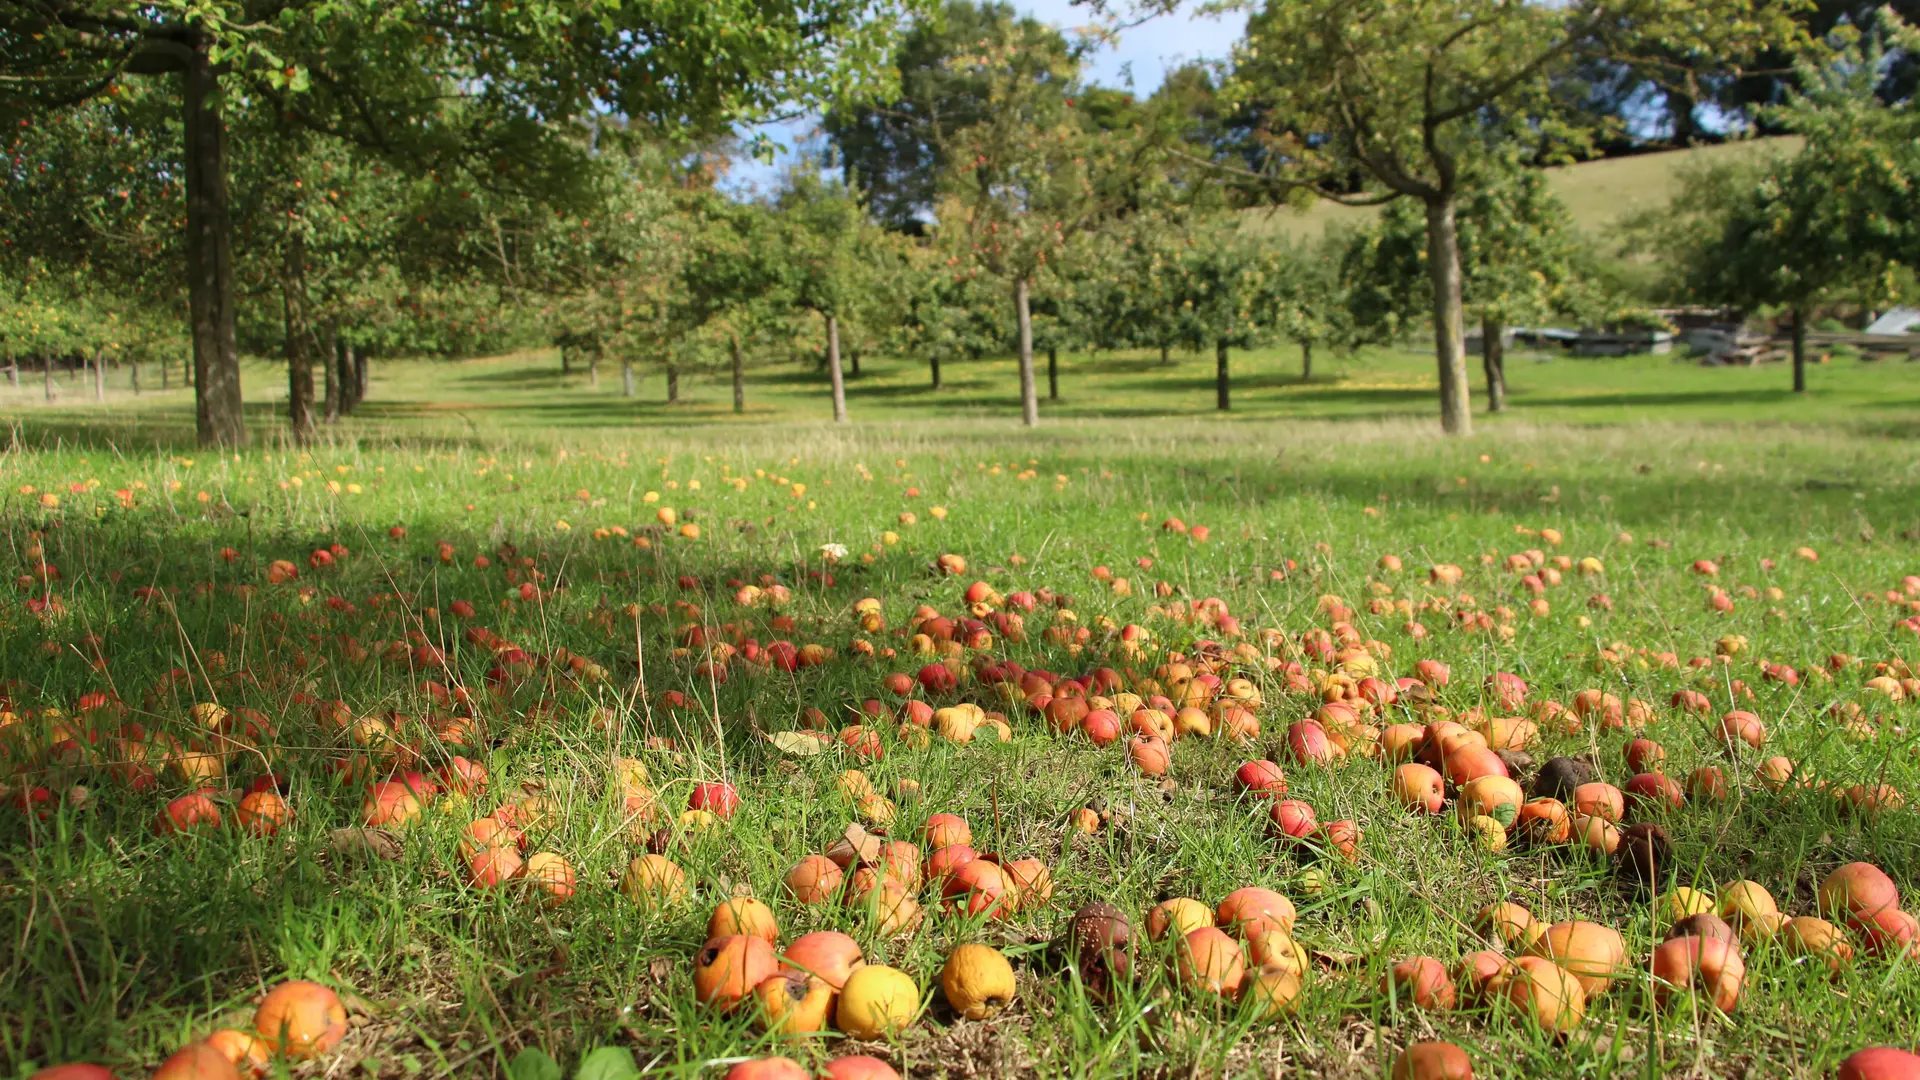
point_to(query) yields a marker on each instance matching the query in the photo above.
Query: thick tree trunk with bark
(293, 307)
(933, 361)
(1222, 381)
(1306, 361)
(1053, 374)
(1449, 317)
(362, 373)
(1493, 358)
(330, 368)
(1023, 317)
(1799, 351)
(739, 377)
(853, 359)
(833, 371)
(673, 384)
(216, 356)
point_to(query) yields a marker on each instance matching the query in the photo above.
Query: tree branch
(1285, 184)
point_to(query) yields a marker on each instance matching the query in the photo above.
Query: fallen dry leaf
(864, 845)
(799, 743)
(374, 843)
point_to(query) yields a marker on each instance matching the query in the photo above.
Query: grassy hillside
(1599, 194)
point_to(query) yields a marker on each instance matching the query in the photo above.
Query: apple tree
(1835, 222)
(485, 93)
(1029, 178)
(947, 310)
(1370, 101)
(832, 256)
(1521, 261)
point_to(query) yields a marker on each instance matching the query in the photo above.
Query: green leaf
(532, 1064)
(607, 1063)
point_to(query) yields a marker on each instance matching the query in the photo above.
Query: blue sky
(1143, 55)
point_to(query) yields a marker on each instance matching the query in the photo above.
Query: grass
(1599, 194)
(489, 398)
(121, 945)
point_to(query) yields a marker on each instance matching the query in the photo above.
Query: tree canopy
(1834, 222)
(895, 146)
(1368, 101)
(482, 97)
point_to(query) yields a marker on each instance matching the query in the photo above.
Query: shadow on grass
(147, 928)
(527, 376)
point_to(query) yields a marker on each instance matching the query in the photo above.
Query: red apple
(719, 799)
(1293, 818)
(1261, 778)
(1308, 743)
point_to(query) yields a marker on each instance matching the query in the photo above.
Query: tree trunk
(1023, 316)
(166, 373)
(1799, 351)
(566, 360)
(1680, 107)
(626, 376)
(673, 384)
(216, 357)
(330, 368)
(349, 375)
(833, 371)
(1443, 267)
(933, 361)
(47, 373)
(1493, 358)
(293, 307)
(99, 374)
(1306, 361)
(353, 363)
(853, 358)
(13, 369)
(133, 375)
(348, 378)
(1053, 374)
(362, 373)
(1222, 382)
(739, 377)
(593, 368)
(1166, 354)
